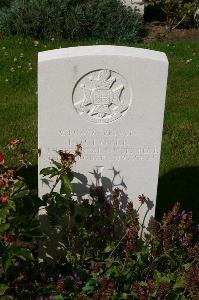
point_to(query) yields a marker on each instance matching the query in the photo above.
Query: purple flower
(184, 215)
(74, 275)
(76, 280)
(176, 216)
(111, 285)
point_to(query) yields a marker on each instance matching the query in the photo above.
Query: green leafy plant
(41, 18)
(107, 19)
(5, 3)
(90, 19)
(19, 223)
(104, 254)
(176, 11)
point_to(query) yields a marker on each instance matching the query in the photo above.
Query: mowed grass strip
(18, 95)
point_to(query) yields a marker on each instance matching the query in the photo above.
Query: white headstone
(110, 99)
(135, 4)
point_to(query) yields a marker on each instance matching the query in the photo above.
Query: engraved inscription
(101, 96)
(101, 145)
(108, 145)
(113, 154)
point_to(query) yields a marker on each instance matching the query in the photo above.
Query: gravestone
(135, 4)
(110, 99)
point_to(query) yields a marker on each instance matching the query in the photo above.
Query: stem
(22, 244)
(55, 184)
(123, 235)
(117, 245)
(142, 225)
(57, 181)
(179, 22)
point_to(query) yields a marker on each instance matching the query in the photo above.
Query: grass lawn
(180, 148)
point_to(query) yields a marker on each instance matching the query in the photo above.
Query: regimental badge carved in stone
(101, 96)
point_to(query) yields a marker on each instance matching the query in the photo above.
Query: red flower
(1, 158)
(4, 199)
(151, 284)
(6, 237)
(142, 296)
(60, 285)
(2, 183)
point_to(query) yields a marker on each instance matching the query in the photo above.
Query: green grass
(18, 107)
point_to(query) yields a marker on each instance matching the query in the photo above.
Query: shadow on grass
(179, 185)
(30, 175)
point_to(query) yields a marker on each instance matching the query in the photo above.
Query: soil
(157, 31)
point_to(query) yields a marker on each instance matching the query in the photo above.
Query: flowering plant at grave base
(100, 254)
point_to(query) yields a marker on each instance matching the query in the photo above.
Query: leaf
(157, 276)
(20, 194)
(7, 264)
(4, 227)
(4, 212)
(20, 185)
(124, 296)
(12, 205)
(70, 176)
(58, 297)
(24, 254)
(51, 172)
(21, 190)
(187, 266)
(179, 282)
(3, 288)
(109, 248)
(61, 203)
(66, 187)
(89, 286)
(58, 165)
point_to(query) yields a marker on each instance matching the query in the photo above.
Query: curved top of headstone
(104, 50)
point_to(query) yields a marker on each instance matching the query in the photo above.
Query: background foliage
(5, 3)
(176, 12)
(107, 19)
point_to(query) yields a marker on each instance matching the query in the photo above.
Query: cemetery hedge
(89, 19)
